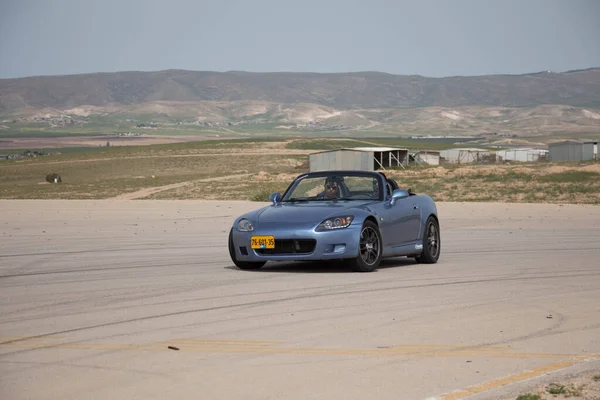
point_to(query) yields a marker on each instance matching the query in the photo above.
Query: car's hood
(313, 212)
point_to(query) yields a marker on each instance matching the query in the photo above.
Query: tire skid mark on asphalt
(195, 286)
(291, 298)
(520, 376)
(177, 290)
(131, 296)
(496, 250)
(106, 250)
(26, 337)
(325, 290)
(466, 252)
(496, 279)
(103, 269)
(72, 364)
(150, 317)
(270, 347)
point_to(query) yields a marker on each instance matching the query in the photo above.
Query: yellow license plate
(263, 242)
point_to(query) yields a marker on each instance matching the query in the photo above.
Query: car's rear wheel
(245, 265)
(432, 244)
(370, 249)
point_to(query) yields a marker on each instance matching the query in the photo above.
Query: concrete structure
(574, 150)
(426, 157)
(521, 155)
(359, 158)
(465, 155)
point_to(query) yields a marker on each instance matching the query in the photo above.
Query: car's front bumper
(329, 245)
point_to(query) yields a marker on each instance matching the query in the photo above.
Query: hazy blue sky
(431, 38)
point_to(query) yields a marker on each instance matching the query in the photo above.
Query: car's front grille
(290, 246)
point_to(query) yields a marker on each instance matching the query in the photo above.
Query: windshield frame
(346, 174)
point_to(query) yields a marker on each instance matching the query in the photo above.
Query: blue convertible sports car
(359, 216)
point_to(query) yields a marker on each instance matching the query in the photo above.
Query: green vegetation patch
(529, 396)
(571, 177)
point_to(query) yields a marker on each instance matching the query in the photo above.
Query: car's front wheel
(370, 249)
(245, 265)
(431, 243)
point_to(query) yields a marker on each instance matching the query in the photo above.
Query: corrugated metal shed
(359, 158)
(573, 150)
(426, 157)
(521, 154)
(375, 149)
(465, 155)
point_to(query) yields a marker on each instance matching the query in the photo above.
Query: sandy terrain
(95, 141)
(93, 294)
(140, 194)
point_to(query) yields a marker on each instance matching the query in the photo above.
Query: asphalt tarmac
(138, 299)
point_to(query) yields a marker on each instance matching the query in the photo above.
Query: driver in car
(375, 193)
(332, 190)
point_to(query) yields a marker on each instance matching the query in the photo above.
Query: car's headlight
(335, 223)
(245, 226)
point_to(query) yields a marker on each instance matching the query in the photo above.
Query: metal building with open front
(359, 158)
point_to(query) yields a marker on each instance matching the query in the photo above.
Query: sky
(421, 37)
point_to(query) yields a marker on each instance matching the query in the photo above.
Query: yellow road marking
(496, 383)
(223, 342)
(270, 347)
(271, 350)
(434, 346)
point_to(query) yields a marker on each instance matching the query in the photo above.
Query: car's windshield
(335, 187)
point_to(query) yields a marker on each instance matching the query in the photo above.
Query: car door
(401, 222)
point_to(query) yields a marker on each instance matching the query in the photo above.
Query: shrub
(53, 178)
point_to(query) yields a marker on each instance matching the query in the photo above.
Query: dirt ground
(585, 386)
(251, 170)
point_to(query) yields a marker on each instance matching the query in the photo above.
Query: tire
(432, 244)
(370, 249)
(244, 265)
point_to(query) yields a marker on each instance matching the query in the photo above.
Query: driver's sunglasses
(331, 186)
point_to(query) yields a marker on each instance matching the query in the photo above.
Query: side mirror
(398, 194)
(275, 197)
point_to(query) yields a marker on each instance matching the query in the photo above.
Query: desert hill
(341, 91)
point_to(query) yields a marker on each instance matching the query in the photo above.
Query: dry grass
(251, 169)
(535, 183)
(113, 172)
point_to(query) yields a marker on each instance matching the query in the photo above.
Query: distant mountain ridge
(345, 91)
